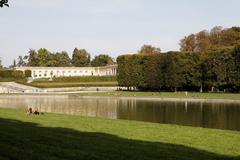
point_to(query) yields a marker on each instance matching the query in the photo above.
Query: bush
(10, 75)
(28, 73)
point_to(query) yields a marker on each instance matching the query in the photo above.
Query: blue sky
(114, 27)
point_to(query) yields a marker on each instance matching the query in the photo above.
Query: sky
(113, 27)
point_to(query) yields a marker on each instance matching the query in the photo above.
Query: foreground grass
(53, 136)
(50, 84)
(190, 95)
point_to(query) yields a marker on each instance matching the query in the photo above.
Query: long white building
(50, 72)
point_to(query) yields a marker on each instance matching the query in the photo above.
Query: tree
(80, 58)
(21, 61)
(149, 49)
(33, 60)
(203, 42)
(0, 62)
(62, 59)
(188, 43)
(102, 60)
(215, 35)
(46, 59)
(213, 40)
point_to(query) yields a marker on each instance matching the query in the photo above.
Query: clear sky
(114, 27)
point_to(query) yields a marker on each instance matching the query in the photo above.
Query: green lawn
(71, 84)
(54, 136)
(190, 95)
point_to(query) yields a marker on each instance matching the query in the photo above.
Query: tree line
(217, 70)
(45, 58)
(207, 61)
(217, 37)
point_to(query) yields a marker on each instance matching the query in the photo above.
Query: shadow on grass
(28, 141)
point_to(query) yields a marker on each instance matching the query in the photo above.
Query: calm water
(209, 115)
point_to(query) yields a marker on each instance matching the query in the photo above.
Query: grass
(50, 84)
(55, 136)
(190, 95)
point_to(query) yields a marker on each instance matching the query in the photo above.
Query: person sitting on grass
(29, 111)
(36, 112)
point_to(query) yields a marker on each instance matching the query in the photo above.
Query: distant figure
(29, 111)
(186, 93)
(36, 112)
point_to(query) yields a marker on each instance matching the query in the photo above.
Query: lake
(199, 114)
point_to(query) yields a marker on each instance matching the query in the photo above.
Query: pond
(200, 114)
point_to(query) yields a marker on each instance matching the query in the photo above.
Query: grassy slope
(54, 136)
(194, 95)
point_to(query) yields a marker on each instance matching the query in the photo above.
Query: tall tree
(213, 40)
(44, 58)
(62, 59)
(149, 49)
(188, 43)
(202, 41)
(102, 60)
(33, 60)
(0, 62)
(21, 61)
(80, 58)
(14, 63)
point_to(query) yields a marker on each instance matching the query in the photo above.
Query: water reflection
(210, 115)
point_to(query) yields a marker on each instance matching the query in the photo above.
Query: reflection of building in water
(92, 107)
(201, 114)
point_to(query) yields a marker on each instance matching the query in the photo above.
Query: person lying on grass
(30, 111)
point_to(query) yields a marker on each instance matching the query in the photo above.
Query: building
(50, 72)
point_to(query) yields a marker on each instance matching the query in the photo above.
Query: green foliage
(28, 73)
(85, 79)
(211, 71)
(80, 58)
(21, 61)
(102, 60)
(33, 59)
(149, 49)
(62, 59)
(45, 58)
(11, 75)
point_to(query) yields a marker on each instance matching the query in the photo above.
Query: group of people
(30, 111)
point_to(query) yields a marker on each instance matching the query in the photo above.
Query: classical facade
(50, 72)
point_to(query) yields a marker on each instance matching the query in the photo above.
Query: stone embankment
(12, 87)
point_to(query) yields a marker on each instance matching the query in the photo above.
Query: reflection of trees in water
(76, 106)
(210, 115)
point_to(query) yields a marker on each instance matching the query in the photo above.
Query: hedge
(83, 79)
(209, 71)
